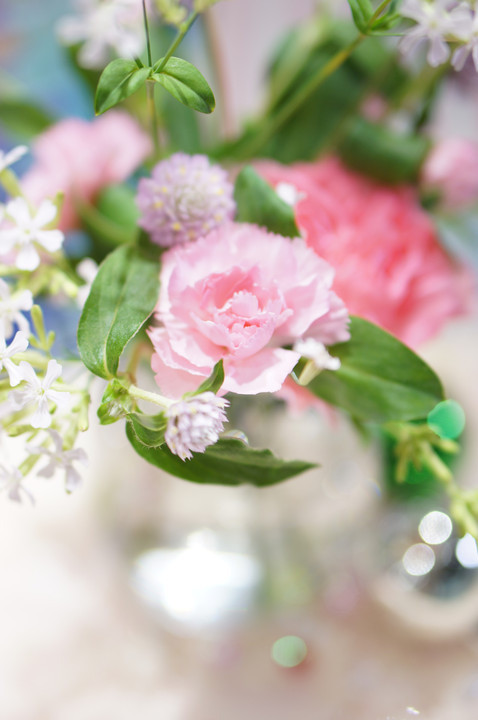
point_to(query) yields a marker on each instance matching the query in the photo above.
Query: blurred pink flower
(241, 294)
(79, 158)
(389, 265)
(451, 168)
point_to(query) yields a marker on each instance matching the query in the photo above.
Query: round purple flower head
(185, 198)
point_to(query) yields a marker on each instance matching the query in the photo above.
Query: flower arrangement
(303, 258)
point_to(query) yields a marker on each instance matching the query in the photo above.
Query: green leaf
(120, 79)
(380, 379)
(148, 429)
(122, 297)
(213, 382)
(382, 153)
(117, 203)
(186, 84)
(362, 12)
(104, 230)
(228, 462)
(116, 403)
(22, 118)
(257, 202)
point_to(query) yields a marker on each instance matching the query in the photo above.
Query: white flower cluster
(441, 22)
(33, 399)
(104, 27)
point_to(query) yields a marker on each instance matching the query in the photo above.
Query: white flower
(18, 344)
(7, 159)
(11, 481)
(194, 423)
(87, 269)
(102, 27)
(38, 392)
(435, 23)
(470, 46)
(29, 229)
(10, 306)
(318, 353)
(60, 459)
(289, 193)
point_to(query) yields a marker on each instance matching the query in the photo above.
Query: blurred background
(144, 596)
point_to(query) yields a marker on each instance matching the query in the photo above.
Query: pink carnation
(241, 294)
(452, 169)
(79, 158)
(389, 265)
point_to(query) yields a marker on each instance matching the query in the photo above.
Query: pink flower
(389, 265)
(451, 168)
(241, 294)
(79, 158)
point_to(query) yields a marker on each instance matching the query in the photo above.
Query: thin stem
(140, 394)
(299, 98)
(184, 28)
(146, 30)
(153, 117)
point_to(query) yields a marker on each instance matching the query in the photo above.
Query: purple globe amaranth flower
(194, 423)
(185, 198)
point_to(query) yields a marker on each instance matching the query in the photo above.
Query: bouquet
(301, 261)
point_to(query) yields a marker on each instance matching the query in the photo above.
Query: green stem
(10, 182)
(300, 97)
(140, 394)
(146, 30)
(153, 117)
(184, 28)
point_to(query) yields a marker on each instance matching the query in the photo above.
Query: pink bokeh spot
(241, 294)
(79, 158)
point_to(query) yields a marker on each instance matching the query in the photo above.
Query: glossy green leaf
(213, 382)
(120, 79)
(380, 379)
(186, 84)
(257, 202)
(228, 462)
(122, 297)
(148, 429)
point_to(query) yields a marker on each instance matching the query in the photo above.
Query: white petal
(18, 344)
(59, 398)
(51, 240)
(27, 258)
(19, 211)
(13, 372)
(53, 372)
(460, 56)
(73, 479)
(45, 214)
(438, 52)
(41, 418)
(15, 154)
(29, 375)
(49, 470)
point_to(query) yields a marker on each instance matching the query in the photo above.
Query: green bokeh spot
(289, 651)
(447, 419)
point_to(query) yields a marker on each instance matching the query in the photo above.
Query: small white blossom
(11, 305)
(18, 344)
(289, 193)
(29, 229)
(470, 46)
(104, 26)
(437, 23)
(60, 459)
(11, 482)
(318, 353)
(194, 423)
(87, 269)
(38, 392)
(7, 159)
